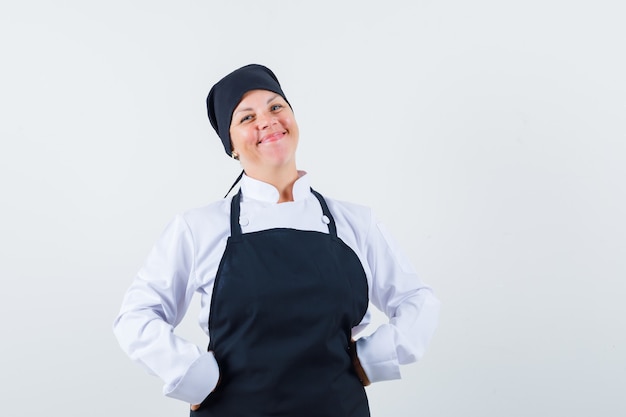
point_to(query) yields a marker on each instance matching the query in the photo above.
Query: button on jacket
(185, 260)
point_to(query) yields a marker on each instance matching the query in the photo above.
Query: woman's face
(264, 132)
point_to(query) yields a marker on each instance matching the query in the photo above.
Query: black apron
(284, 303)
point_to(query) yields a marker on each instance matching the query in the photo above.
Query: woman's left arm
(410, 305)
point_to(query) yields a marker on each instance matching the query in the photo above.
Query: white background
(490, 137)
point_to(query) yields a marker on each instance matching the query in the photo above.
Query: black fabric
(234, 183)
(284, 303)
(228, 92)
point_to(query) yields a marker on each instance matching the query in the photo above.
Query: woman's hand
(356, 363)
(195, 407)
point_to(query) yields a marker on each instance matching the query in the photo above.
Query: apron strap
(332, 229)
(234, 183)
(235, 227)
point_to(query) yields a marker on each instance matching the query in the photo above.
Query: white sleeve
(410, 305)
(154, 304)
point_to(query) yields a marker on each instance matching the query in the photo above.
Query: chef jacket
(185, 260)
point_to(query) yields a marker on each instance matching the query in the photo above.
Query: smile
(272, 137)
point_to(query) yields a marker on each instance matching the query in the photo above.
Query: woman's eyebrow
(250, 108)
(240, 110)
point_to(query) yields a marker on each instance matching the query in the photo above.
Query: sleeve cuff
(377, 354)
(197, 383)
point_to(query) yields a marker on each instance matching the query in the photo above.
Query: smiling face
(264, 133)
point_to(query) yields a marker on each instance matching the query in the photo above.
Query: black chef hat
(228, 92)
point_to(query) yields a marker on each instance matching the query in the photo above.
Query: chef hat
(228, 92)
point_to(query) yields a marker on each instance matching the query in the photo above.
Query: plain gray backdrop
(489, 136)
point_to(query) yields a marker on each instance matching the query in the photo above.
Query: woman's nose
(265, 120)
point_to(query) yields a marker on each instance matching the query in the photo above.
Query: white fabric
(185, 260)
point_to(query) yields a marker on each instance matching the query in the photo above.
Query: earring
(234, 155)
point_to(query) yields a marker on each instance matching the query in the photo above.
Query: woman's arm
(154, 304)
(410, 305)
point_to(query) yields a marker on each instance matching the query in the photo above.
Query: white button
(243, 221)
(325, 219)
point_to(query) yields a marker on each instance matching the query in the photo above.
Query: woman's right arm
(154, 305)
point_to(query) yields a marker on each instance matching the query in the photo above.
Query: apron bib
(284, 303)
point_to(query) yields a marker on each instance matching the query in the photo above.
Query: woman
(285, 276)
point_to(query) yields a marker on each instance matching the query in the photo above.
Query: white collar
(262, 191)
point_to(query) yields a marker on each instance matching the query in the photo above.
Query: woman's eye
(246, 118)
(276, 107)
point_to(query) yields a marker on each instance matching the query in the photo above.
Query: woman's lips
(272, 137)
